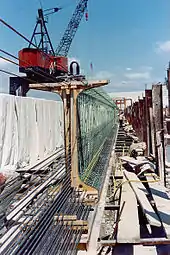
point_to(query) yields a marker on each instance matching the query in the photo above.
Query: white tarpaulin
(30, 129)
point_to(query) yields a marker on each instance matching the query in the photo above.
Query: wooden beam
(128, 226)
(139, 190)
(162, 202)
(143, 241)
(68, 85)
(133, 161)
(65, 217)
(144, 250)
(83, 243)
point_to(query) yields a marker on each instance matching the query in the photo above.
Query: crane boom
(65, 43)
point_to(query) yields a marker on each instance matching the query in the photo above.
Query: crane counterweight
(36, 59)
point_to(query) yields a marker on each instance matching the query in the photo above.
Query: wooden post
(141, 119)
(65, 95)
(159, 129)
(144, 124)
(168, 87)
(152, 131)
(148, 104)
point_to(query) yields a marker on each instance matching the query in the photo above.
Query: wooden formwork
(146, 117)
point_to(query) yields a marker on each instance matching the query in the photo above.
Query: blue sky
(128, 41)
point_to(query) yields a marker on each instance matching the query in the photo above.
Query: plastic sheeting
(30, 129)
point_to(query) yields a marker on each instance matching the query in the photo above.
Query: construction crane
(40, 56)
(65, 43)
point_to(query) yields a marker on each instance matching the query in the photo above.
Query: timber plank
(142, 199)
(143, 241)
(162, 202)
(133, 161)
(118, 174)
(128, 227)
(144, 250)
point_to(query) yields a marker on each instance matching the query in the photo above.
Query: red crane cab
(30, 58)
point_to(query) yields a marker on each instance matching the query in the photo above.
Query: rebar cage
(97, 124)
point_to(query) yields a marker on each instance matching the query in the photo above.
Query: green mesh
(97, 119)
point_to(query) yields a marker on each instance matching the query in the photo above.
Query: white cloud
(124, 82)
(103, 75)
(137, 75)
(146, 68)
(163, 46)
(129, 85)
(141, 68)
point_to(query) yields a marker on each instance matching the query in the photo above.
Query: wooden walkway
(143, 225)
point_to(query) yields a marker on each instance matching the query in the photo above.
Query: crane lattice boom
(65, 43)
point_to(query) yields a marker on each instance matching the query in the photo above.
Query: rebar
(49, 192)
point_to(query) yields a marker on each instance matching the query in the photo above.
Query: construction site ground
(134, 210)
